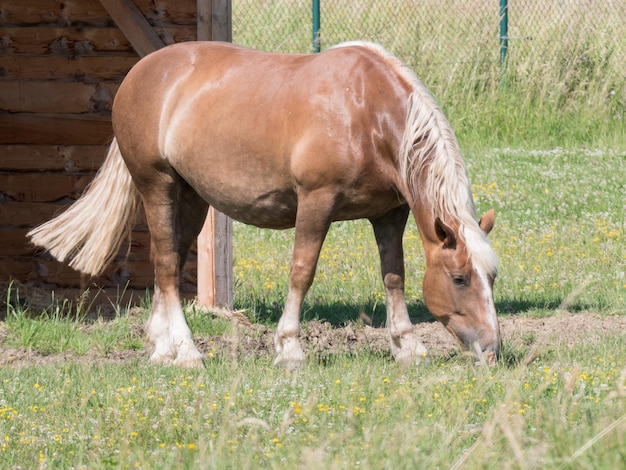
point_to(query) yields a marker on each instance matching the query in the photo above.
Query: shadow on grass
(339, 314)
(268, 312)
(544, 307)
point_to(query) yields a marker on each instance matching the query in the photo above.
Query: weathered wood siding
(61, 63)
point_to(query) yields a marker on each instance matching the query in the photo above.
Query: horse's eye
(460, 281)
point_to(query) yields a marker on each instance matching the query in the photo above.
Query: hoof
(290, 355)
(412, 351)
(407, 358)
(189, 357)
(288, 364)
(189, 363)
(161, 359)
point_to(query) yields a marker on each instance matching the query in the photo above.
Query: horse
(279, 141)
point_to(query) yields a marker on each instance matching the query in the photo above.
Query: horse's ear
(486, 221)
(445, 234)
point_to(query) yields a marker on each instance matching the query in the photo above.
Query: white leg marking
(288, 349)
(182, 340)
(406, 346)
(157, 332)
(169, 336)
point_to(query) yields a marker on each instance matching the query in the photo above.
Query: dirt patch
(321, 340)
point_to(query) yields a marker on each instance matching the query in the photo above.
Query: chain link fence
(441, 39)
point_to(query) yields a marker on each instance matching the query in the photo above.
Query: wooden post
(134, 25)
(215, 261)
(215, 249)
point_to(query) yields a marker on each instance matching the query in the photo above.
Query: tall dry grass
(564, 83)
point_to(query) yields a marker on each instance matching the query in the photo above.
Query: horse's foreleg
(312, 223)
(388, 229)
(167, 332)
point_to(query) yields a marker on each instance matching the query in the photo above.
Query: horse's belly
(272, 209)
(262, 192)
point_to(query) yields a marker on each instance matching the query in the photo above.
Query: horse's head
(458, 285)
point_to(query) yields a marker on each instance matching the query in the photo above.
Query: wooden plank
(42, 187)
(215, 261)
(221, 20)
(206, 262)
(136, 272)
(84, 41)
(56, 97)
(55, 129)
(91, 12)
(70, 158)
(28, 214)
(134, 25)
(15, 243)
(20, 12)
(169, 12)
(90, 68)
(203, 19)
(53, 40)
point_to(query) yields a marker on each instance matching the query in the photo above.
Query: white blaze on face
(487, 297)
(485, 262)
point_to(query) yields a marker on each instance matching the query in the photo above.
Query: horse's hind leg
(175, 215)
(388, 229)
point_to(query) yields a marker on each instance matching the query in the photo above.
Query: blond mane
(430, 156)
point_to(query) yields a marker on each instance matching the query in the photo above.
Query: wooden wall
(61, 62)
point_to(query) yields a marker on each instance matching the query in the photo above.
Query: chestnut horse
(284, 140)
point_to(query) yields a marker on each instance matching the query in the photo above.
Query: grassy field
(562, 408)
(546, 147)
(80, 394)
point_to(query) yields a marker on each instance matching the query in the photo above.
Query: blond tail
(90, 232)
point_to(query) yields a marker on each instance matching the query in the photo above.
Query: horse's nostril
(485, 356)
(491, 357)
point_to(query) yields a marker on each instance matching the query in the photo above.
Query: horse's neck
(425, 221)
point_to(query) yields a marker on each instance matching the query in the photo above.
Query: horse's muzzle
(485, 355)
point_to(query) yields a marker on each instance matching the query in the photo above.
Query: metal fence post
(316, 25)
(504, 30)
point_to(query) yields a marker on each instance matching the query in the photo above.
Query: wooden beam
(203, 19)
(39, 158)
(47, 96)
(55, 129)
(215, 261)
(215, 249)
(134, 25)
(215, 20)
(84, 68)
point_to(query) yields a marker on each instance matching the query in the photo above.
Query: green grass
(54, 334)
(350, 411)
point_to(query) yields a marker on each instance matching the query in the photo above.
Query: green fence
(464, 28)
(448, 34)
(564, 72)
